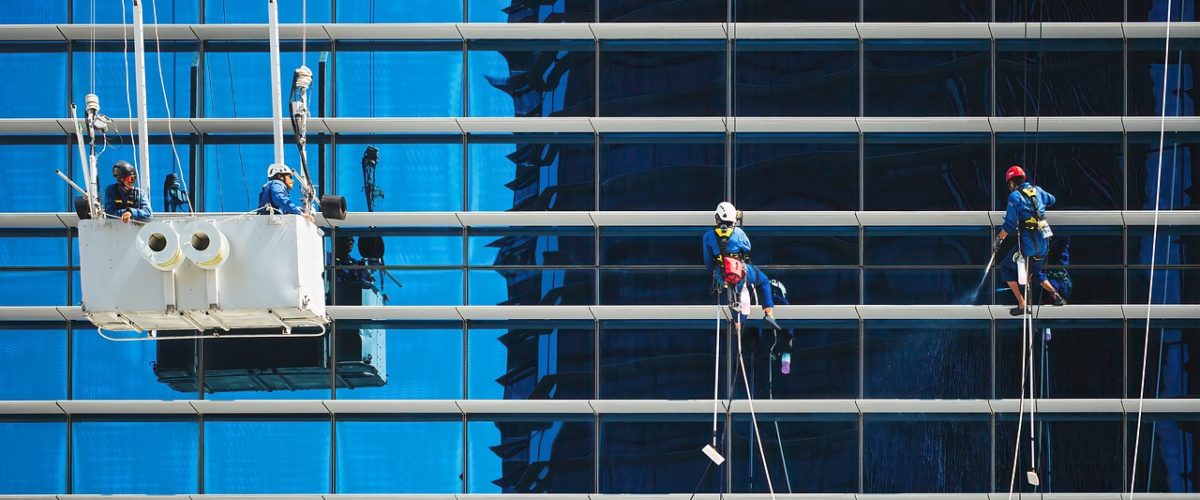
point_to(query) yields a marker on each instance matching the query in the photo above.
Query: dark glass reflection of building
(545, 361)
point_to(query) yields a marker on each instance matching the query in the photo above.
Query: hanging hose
(301, 82)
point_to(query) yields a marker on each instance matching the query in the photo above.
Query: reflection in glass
(103, 369)
(655, 454)
(236, 79)
(1171, 286)
(662, 11)
(524, 455)
(796, 78)
(928, 453)
(824, 360)
(532, 173)
(796, 171)
(933, 78)
(534, 246)
(1180, 189)
(950, 171)
(662, 78)
(1059, 78)
(640, 245)
(1082, 171)
(1075, 452)
(656, 287)
(35, 193)
(36, 288)
(377, 455)
(34, 456)
(33, 364)
(42, 85)
(1146, 73)
(944, 359)
(45, 12)
(420, 361)
(515, 287)
(111, 457)
(240, 11)
(952, 246)
(774, 11)
(108, 82)
(235, 170)
(657, 360)
(1009, 11)
(649, 172)
(927, 11)
(1065, 356)
(935, 286)
(1156, 10)
(820, 452)
(415, 173)
(820, 286)
(531, 360)
(365, 72)
(1166, 452)
(532, 78)
(244, 456)
(501, 11)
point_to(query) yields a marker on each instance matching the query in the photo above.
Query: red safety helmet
(1014, 172)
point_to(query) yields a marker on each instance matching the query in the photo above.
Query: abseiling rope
(167, 106)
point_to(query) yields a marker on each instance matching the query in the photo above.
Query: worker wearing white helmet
(727, 257)
(276, 194)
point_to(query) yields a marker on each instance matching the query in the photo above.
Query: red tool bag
(733, 270)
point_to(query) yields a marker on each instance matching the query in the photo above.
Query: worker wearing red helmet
(1026, 216)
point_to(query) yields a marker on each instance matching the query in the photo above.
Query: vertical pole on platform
(139, 47)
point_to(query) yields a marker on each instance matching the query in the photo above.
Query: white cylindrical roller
(205, 245)
(158, 243)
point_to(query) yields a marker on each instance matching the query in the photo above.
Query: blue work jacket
(738, 243)
(1022, 207)
(277, 195)
(118, 200)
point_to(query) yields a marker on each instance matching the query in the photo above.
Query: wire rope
(167, 102)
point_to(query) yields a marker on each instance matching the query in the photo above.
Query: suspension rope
(1162, 137)
(167, 102)
(92, 69)
(716, 373)
(128, 101)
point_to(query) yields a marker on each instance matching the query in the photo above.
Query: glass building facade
(544, 172)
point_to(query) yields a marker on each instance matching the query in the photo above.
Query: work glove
(996, 245)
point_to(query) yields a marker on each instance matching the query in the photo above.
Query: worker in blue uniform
(727, 252)
(276, 194)
(124, 200)
(1026, 216)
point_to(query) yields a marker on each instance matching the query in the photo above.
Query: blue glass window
(244, 456)
(927, 172)
(1062, 10)
(531, 360)
(415, 173)
(1146, 74)
(290, 11)
(926, 78)
(796, 78)
(33, 288)
(1075, 452)
(1179, 189)
(1177, 245)
(632, 364)
(926, 359)
(514, 287)
(938, 286)
(824, 360)
(235, 169)
(169, 12)
(927, 11)
(33, 364)
(1166, 453)
(1156, 10)
(366, 84)
(47, 12)
(524, 455)
(817, 286)
(104, 369)
(410, 246)
(37, 193)
(662, 78)
(646, 172)
(238, 83)
(532, 173)
(943, 246)
(34, 456)
(1082, 171)
(43, 84)
(1063, 351)
(556, 246)
(662, 11)
(501, 11)
(796, 171)
(1171, 286)
(112, 457)
(398, 11)
(1093, 245)
(640, 245)
(376, 455)
(107, 81)
(421, 361)
(513, 78)
(1059, 78)
(819, 451)
(768, 11)
(929, 453)
(655, 454)
(656, 286)
(34, 248)
(1174, 346)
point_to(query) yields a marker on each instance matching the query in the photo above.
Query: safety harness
(732, 265)
(1037, 219)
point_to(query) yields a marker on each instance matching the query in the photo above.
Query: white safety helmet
(726, 213)
(279, 168)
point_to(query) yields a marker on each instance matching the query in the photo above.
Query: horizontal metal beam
(587, 407)
(612, 31)
(681, 312)
(613, 125)
(753, 219)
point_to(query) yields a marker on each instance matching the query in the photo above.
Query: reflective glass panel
(1171, 286)
(366, 86)
(398, 11)
(531, 455)
(796, 171)
(532, 173)
(927, 172)
(768, 11)
(33, 288)
(290, 11)
(823, 361)
(556, 246)
(1166, 452)
(662, 11)
(1179, 166)
(1156, 10)
(378, 455)
(1065, 356)
(237, 81)
(47, 12)
(419, 361)
(1170, 370)
(624, 246)
(953, 246)
(116, 89)
(1177, 245)
(655, 454)
(1075, 452)
(931, 453)
(514, 287)
(1090, 245)
(655, 287)
(926, 78)
(33, 364)
(235, 171)
(531, 360)
(927, 11)
(36, 193)
(413, 173)
(1059, 78)
(820, 453)
(243, 456)
(650, 172)
(168, 12)
(41, 90)
(804, 246)
(633, 364)
(935, 286)
(523, 78)
(662, 78)
(405, 246)
(500, 11)
(816, 286)
(1062, 10)
(1082, 171)
(1146, 74)
(926, 359)
(112, 457)
(103, 369)
(796, 78)
(34, 456)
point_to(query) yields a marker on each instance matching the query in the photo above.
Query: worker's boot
(1016, 311)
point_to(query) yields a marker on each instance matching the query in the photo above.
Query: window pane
(1174, 346)
(660, 11)
(45, 12)
(409, 247)
(656, 287)
(632, 364)
(366, 86)
(1059, 78)
(236, 85)
(103, 369)
(242, 457)
(235, 171)
(817, 286)
(775, 11)
(1146, 72)
(1075, 453)
(823, 365)
(162, 162)
(556, 246)
(169, 12)
(678, 246)
(398, 11)
(498, 11)
(796, 171)
(514, 287)
(926, 359)
(420, 362)
(952, 246)
(113, 87)
(1171, 286)
(42, 85)
(387, 456)
(520, 455)
(794, 78)
(1156, 10)
(416, 174)
(33, 288)
(927, 11)
(927, 172)
(1178, 165)
(114, 457)
(35, 193)
(1092, 245)
(1166, 452)
(805, 246)
(532, 360)
(1062, 10)
(33, 364)
(532, 173)
(552, 78)
(655, 454)
(1065, 354)
(669, 78)
(820, 452)
(661, 173)
(34, 456)
(926, 78)
(923, 286)
(290, 11)
(906, 453)
(270, 368)
(1082, 171)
